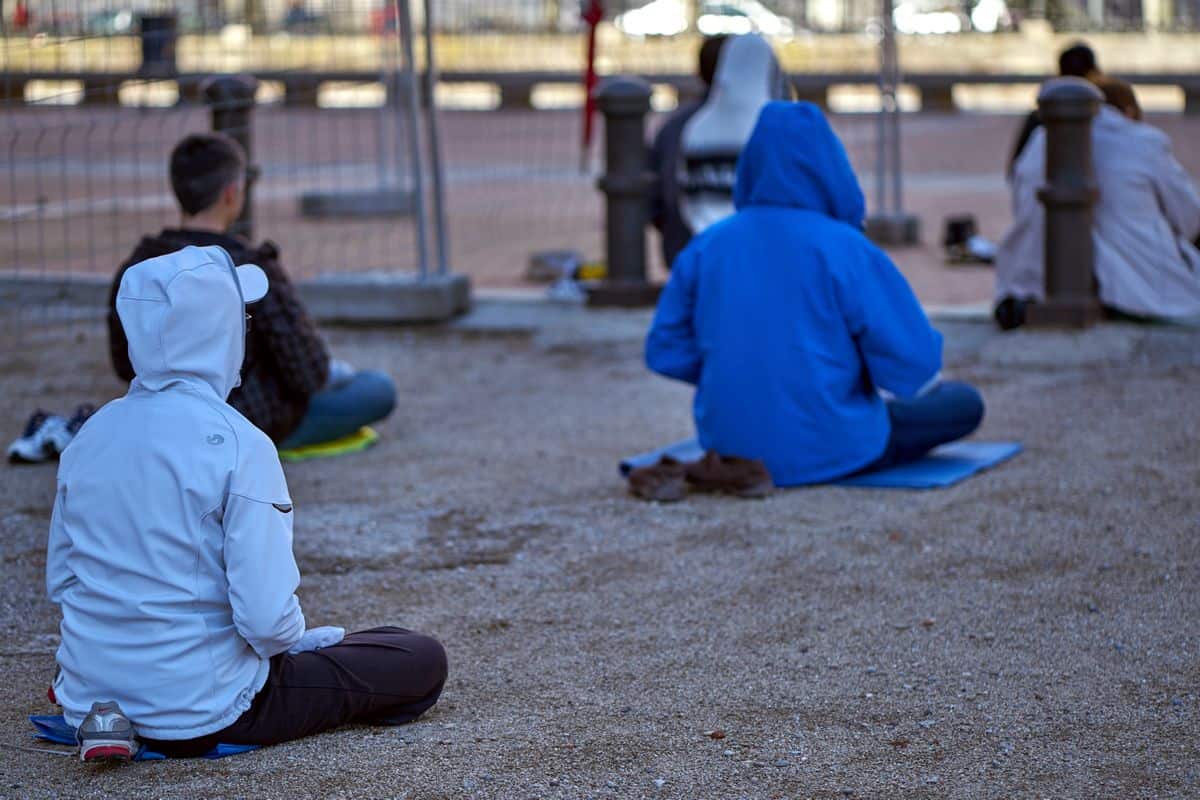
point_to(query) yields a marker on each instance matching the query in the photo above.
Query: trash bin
(158, 32)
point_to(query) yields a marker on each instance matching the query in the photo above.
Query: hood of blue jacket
(794, 160)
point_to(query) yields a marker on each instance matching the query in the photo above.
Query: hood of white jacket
(184, 317)
(1144, 221)
(748, 77)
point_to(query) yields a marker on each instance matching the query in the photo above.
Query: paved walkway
(82, 187)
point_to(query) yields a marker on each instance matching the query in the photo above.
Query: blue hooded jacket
(787, 319)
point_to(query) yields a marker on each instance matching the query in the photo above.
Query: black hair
(1078, 61)
(710, 54)
(202, 166)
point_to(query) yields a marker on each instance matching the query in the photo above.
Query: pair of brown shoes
(669, 479)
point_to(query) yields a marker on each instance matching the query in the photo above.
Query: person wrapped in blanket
(291, 388)
(792, 325)
(170, 551)
(1145, 224)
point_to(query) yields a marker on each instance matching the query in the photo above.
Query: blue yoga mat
(57, 730)
(945, 466)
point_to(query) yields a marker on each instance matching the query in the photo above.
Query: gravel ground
(1030, 633)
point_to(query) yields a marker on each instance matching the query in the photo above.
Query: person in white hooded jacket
(1145, 227)
(748, 77)
(170, 547)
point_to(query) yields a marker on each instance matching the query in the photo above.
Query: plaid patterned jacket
(286, 361)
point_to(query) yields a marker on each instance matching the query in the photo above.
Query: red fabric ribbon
(592, 15)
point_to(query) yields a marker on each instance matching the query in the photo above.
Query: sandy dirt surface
(1029, 633)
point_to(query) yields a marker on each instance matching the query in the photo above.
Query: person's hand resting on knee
(317, 638)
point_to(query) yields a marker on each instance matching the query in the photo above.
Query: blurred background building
(638, 18)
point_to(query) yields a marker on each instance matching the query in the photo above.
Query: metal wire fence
(86, 154)
(95, 93)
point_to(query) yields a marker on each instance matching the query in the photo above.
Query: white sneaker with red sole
(106, 734)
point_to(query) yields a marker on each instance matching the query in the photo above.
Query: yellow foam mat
(356, 442)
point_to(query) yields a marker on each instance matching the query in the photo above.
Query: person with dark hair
(291, 388)
(206, 172)
(1077, 61)
(664, 157)
(791, 324)
(1145, 224)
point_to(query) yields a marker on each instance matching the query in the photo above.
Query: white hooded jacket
(170, 548)
(748, 77)
(1144, 223)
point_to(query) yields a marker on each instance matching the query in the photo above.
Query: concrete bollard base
(623, 294)
(386, 298)
(893, 229)
(369, 203)
(1064, 313)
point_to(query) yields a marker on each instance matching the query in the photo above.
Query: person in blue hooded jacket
(793, 326)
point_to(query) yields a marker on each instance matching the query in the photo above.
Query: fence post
(1067, 106)
(231, 98)
(624, 102)
(888, 222)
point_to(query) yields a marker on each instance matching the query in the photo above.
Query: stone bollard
(1067, 106)
(231, 98)
(624, 102)
(159, 33)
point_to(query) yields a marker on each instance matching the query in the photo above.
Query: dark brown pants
(383, 676)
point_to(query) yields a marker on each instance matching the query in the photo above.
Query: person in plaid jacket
(291, 388)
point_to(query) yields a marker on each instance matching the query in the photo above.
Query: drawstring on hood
(184, 317)
(795, 160)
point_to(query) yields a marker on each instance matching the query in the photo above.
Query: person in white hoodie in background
(1146, 223)
(170, 551)
(748, 77)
